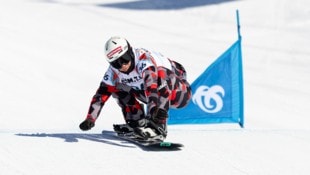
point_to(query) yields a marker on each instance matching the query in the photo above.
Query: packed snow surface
(52, 61)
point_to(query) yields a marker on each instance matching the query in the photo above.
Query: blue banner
(217, 93)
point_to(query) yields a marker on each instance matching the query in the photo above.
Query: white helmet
(119, 52)
(115, 47)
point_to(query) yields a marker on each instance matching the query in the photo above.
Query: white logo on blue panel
(209, 99)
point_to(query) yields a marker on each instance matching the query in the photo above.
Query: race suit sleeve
(101, 96)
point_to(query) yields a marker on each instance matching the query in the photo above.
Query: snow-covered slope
(51, 63)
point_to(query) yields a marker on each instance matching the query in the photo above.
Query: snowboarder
(137, 75)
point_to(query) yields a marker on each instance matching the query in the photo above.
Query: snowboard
(154, 145)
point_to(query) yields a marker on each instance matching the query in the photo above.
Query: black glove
(159, 115)
(87, 124)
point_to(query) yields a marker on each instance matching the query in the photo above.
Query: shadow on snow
(106, 137)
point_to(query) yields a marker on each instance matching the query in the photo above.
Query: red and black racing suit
(162, 88)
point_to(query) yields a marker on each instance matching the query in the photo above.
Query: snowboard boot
(122, 128)
(156, 128)
(152, 132)
(129, 126)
